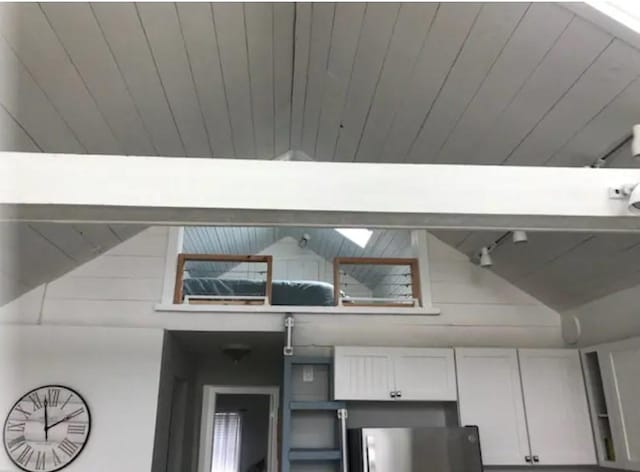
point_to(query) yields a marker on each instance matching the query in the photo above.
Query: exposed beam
(151, 190)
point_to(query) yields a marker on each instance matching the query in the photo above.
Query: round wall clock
(47, 429)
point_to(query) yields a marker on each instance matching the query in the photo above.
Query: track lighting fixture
(485, 257)
(518, 236)
(304, 240)
(630, 191)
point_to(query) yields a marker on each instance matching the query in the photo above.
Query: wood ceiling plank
(346, 35)
(451, 237)
(26, 29)
(259, 19)
(492, 30)
(66, 238)
(123, 32)
(539, 30)
(408, 40)
(100, 236)
(379, 25)
(622, 158)
(578, 47)
(231, 33)
(611, 73)
(164, 33)
(124, 232)
(202, 44)
(14, 137)
(79, 33)
(604, 132)
(322, 23)
(31, 108)
(283, 19)
(302, 32)
(447, 36)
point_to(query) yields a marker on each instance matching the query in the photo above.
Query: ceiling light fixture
(630, 192)
(304, 240)
(485, 257)
(519, 236)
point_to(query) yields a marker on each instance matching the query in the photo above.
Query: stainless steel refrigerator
(439, 449)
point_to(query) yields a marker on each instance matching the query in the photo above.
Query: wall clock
(47, 429)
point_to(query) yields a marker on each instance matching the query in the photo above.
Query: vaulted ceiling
(457, 83)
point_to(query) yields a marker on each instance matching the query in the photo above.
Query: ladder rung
(315, 455)
(318, 405)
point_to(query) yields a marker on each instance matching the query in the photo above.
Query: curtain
(226, 442)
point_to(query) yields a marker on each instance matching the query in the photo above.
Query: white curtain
(226, 442)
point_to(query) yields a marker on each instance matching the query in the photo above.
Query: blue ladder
(291, 455)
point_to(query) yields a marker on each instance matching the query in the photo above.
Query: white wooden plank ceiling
(456, 83)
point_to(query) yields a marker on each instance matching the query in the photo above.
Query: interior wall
(115, 370)
(254, 411)
(610, 318)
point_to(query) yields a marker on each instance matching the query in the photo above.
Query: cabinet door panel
(490, 396)
(624, 390)
(425, 374)
(556, 407)
(363, 374)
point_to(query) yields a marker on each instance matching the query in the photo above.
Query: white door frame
(209, 393)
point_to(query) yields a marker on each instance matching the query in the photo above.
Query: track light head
(519, 236)
(485, 257)
(630, 191)
(304, 240)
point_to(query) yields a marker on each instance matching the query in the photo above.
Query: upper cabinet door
(363, 373)
(490, 396)
(425, 374)
(620, 365)
(556, 405)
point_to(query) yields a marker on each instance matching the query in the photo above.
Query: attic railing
(400, 287)
(229, 264)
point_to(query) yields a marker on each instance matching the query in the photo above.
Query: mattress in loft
(283, 292)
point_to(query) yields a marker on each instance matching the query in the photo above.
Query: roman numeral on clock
(53, 395)
(68, 447)
(41, 459)
(35, 399)
(15, 427)
(76, 429)
(25, 456)
(56, 458)
(23, 411)
(15, 443)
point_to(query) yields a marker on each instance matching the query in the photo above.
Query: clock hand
(58, 422)
(46, 420)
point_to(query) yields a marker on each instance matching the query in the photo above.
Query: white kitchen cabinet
(490, 397)
(613, 379)
(556, 407)
(378, 373)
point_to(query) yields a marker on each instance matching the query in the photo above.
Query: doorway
(238, 429)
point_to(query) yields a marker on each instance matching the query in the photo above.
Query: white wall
(610, 318)
(291, 262)
(115, 370)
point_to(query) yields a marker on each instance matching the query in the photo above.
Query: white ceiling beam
(151, 190)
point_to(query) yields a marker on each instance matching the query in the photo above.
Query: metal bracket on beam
(288, 325)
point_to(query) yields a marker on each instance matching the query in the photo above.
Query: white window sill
(321, 310)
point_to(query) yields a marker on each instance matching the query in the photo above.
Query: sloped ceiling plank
(379, 25)
(492, 30)
(322, 17)
(407, 42)
(66, 238)
(447, 36)
(578, 47)
(39, 49)
(229, 23)
(259, 28)
(539, 30)
(611, 73)
(202, 45)
(302, 32)
(164, 34)
(78, 31)
(347, 30)
(13, 137)
(622, 157)
(611, 125)
(123, 32)
(283, 19)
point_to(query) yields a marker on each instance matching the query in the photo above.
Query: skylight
(360, 236)
(626, 12)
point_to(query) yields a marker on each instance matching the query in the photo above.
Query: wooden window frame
(183, 258)
(410, 262)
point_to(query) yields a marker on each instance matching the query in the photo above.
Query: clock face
(47, 429)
